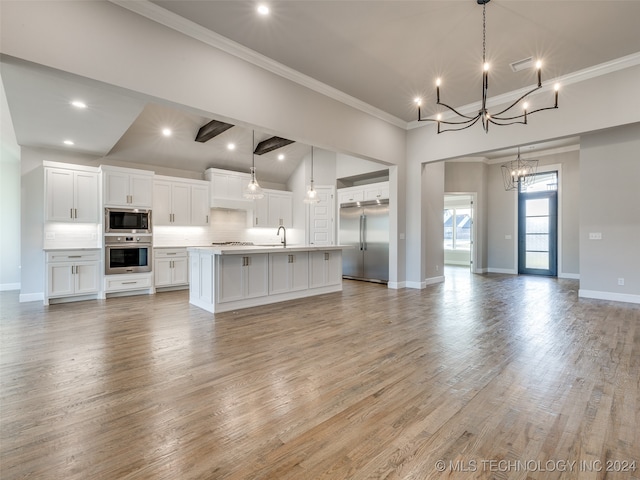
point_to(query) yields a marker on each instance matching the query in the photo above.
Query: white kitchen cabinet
(128, 283)
(200, 204)
(171, 203)
(72, 273)
(288, 272)
(227, 187)
(170, 268)
(180, 202)
(376, 191)
(273, 210)
(373, 191)
(351, 194)
(71, 195)
(241, 277)
(124, 187)
(325, 268)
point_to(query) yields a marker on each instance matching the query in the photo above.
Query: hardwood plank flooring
(496, 376)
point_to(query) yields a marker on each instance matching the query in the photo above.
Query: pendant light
(253, 191)
(312, 194)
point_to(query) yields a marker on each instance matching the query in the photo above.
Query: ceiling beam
(212, 129)
(271, 144)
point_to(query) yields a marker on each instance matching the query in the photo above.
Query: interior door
(321, 231)
(538, 227)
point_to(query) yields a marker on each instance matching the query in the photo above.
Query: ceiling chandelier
(503, 117)
(253, 190)
(519, 173)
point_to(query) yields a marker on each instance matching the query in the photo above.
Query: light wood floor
(497, 376)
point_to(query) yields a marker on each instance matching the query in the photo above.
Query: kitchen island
(224, 278)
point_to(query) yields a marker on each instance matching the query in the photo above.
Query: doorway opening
(538, 226)
(459, 230)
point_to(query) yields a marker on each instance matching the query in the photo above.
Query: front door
(538, 226)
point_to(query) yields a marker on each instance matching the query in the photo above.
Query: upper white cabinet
(273, 210)
(227, 188)
(373, 191)
(125, 187)
(180, 202)
(71, 194)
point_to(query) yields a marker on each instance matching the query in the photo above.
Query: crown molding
(180, 24)
(575, 77)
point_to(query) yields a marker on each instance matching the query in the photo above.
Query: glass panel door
(537, 226)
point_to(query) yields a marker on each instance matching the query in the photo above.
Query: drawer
(74, 256)
(116, 283)
(170, 252)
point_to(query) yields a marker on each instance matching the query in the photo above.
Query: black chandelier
(519, 173)
(504, 117)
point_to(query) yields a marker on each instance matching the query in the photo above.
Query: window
(457, 229)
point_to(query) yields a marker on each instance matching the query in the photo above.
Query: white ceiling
(382, 53)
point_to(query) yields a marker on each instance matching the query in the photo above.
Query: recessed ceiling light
(263, 9)
(281, 157)
(68, 142)
(231, 146)
(166, 132)
(79, 104)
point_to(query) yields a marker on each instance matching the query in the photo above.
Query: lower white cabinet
(242, 276)
(72, 273)
(288, 272)
(128, 282)
(170, 267)
(325, 268)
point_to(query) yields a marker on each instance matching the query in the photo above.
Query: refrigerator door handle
(364, 232)
(361, 232)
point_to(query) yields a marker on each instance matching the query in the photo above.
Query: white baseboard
(4, 287)
(508, 271)
(574, 276)
(31, 297)
(397, 285)
(416, 285)
(433, 280)
(615, 297)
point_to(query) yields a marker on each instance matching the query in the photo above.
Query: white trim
(397, 285)
(433, 280)
(5, 287)
(507, 271)
(615, 297)
(31, 297)
(574, 276)
(169, 19)
(541, 153)
(575, 77)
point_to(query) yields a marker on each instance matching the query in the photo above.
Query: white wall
(610, 205)
(9, 200)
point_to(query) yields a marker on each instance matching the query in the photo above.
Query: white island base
(222, 279)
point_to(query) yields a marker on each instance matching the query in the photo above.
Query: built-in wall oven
(127, 220)
(127, 254)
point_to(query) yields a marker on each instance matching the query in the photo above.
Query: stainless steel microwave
(127, 220)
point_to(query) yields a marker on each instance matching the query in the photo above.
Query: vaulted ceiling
(378, 54)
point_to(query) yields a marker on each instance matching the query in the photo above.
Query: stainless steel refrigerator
(365, 226)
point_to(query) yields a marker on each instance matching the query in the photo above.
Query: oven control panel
(120, 239)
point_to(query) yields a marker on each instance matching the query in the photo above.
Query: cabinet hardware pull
(128, 283)
(326, 255)
(71, 212)
(74, 256)
(207, 219)
(75, 212)
(171, 253)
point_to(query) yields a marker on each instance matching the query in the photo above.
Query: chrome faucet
(284, 237)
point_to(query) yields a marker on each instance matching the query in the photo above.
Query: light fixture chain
(484, 32)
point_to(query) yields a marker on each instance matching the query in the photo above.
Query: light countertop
(250, 249)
